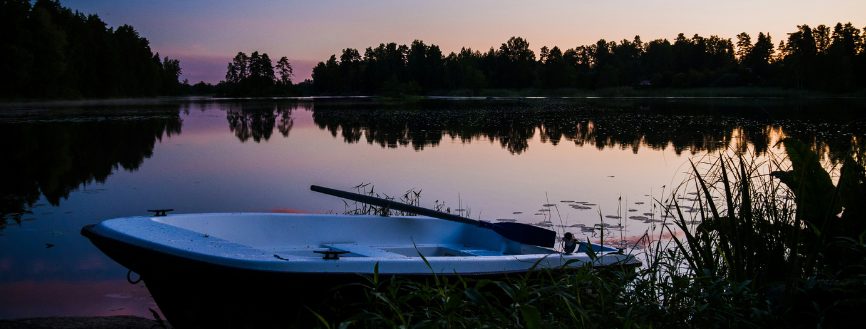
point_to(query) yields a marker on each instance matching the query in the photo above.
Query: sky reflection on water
(498, 160)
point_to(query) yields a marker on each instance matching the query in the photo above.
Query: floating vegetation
(639, 202)
(638, 217)
(517, 213)
(544, 210)
(566, 201)
(581, 207)
(538, 214)
(589, 204)
(741, 274)
(632, 210)
(548, 205)
(544, 224)
(509, 220)
(648, 214)
(612, 216)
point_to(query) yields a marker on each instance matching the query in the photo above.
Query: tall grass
(766, 248)
(791, 238)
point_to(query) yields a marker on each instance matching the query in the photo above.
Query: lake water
(561, 163)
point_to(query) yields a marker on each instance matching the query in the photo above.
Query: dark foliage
(826, 59)
(49, 51)
(256, 75)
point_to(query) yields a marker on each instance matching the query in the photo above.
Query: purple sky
(204, 35)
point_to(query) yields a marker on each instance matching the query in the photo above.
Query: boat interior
(309, 235)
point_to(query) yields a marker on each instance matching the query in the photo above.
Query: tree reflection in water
(52, 155)
(256, 120)
(682, 126)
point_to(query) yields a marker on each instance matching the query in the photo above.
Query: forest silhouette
(49, 51)
(256, 75)
(824, 58)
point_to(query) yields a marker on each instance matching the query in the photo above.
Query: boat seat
(482, 252)
(363, 250)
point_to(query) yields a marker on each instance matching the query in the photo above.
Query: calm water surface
(65, 166)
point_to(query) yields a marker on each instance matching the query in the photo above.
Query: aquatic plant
(410, 197)
(780, 249)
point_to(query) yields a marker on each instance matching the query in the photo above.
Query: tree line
(255, 75)
(820, 58)
(47, 50)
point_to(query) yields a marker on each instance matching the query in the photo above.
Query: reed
(780, 248)
(790, 238)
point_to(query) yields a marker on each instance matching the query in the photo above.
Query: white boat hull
(288, 243)
(224, 269)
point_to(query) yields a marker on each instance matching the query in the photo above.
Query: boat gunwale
(405, 265)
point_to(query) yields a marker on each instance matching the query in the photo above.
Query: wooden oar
(523, 233)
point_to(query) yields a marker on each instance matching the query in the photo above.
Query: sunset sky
(204, 35)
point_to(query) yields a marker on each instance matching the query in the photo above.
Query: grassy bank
(784, 249)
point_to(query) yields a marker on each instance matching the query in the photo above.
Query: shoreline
(569, 93)
(83, 322)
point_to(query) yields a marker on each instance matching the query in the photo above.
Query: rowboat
(229, 263)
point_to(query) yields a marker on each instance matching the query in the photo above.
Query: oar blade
(527, 234)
